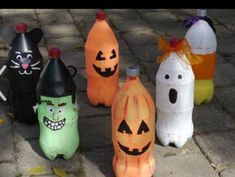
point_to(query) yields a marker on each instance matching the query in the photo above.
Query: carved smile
(134, 151)
(107, 72)
(172, 96)
(54, 125)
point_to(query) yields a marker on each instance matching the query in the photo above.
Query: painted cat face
(24, 55)
(25, 62)
(56, 113)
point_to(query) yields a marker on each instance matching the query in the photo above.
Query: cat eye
(29, 56)
(18, 57)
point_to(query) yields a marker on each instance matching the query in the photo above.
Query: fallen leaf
(59, 172)
(219, 167)
(2, 121)
(169, 154)
(36, 170)
(11, 115)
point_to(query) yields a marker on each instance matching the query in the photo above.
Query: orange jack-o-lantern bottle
(133, 128)
(102, 63)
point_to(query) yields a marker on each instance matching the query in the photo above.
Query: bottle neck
(132, 77)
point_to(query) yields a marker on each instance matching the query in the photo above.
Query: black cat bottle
(23, 70)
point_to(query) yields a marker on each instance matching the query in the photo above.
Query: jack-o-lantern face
(107, 71)
(125, 129)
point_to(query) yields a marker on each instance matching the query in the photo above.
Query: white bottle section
(201, 38)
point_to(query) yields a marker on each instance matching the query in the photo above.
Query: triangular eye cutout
(143, 128)
(100, 56)
(113, 54)
(124, 127)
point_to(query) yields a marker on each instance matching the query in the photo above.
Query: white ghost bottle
(202, 41)
(174, 100)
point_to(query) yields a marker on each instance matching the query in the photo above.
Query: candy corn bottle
(202, 41)
(102, 63)
(133, 128)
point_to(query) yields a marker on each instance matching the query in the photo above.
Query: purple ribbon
(189, 22)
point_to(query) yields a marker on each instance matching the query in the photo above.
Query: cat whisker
(36, 68)
(35, 64)
(15, 66)
(15, 63)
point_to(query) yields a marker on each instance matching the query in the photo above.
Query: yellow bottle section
(203, 91)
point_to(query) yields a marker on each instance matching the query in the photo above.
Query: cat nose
(25, 66)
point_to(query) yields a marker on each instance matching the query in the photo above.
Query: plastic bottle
(133, 128)
(202, 40)
(102, 63)
(174, 99)
(57, 109)
(23, 70)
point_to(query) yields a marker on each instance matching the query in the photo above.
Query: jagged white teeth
(52, 124)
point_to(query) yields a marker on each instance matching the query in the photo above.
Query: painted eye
(179, 76)
(143, 128)
(100, 56)
(50, 109)
(60, 110)
(123, 127)
(167, 76)
(113, 54)
(18, 57)
(29, 56)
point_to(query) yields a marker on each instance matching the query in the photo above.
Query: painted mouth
(107, 72)
(172, 96)
(54, 125)
(134, 151)
(25, 72)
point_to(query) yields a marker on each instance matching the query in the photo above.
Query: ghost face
(56, 113)
(175, 84)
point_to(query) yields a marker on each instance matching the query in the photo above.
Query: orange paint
(206, 69)
(133, 130)
(102, 63)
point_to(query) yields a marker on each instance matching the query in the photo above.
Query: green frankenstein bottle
(57, 109)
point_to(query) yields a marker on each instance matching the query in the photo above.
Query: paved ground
(211, 152)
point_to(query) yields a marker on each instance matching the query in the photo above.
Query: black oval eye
(143, 128)
(100, 56)
(167, 76)
(113, 54)
(124, 127)
(18, 57)
(179, 76)
(29, 56)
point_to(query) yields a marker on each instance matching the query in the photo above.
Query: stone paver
(7, 169)
(225, 96)
(210, 153)
(60, 30)
(66, 44)
(219, 147)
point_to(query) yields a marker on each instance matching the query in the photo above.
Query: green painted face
(56, 113)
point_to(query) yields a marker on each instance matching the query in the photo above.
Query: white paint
(2, 69)
(174, 120)
(201, 38)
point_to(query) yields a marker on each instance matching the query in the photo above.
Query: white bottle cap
(201, 12)
(133, 71)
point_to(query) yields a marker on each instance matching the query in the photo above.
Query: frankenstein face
(55, 113)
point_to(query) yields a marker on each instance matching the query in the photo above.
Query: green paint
(58, 126)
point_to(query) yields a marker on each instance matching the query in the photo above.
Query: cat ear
(7, 33)
(36, 34)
